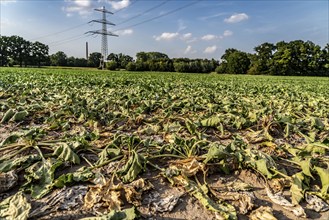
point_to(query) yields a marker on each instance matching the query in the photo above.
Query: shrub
(111, 65)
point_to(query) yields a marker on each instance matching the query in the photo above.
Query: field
(124, 145)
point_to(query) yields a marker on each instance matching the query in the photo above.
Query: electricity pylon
(104, 32)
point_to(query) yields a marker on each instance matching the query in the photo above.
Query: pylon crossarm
(102, 22)
(103, 10)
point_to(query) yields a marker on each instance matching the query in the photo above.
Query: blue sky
(179, 28)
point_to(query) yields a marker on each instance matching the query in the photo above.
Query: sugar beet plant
(62, 128)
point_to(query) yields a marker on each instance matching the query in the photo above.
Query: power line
(148, 10)
(66, 40)
(159, 16)
(59, 32)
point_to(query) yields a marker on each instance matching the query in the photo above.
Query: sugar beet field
(85, 144)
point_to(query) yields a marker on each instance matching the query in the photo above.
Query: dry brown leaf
(262, 213)
(189, 167)
(244, 201)
(112, 200)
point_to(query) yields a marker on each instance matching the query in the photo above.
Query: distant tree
(80, 62)
(5, 52)
(39, 53)
(146, 56)
(58, 59)
(141, 57)
(238, 62)
(19, 49)
(111, 65)
(70, 61)
(124, 60)
(94, 59)
(261, 61)
(234, 62)
(131, 66)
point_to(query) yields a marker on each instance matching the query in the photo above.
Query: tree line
(282, 58)
(297, 57)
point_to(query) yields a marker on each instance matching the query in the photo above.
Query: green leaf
(65, 153)
(126, 214)
(215, 152)
(133, 167)
(23, 161)
(211, 122)
(317, 123)
(10, 139)
(7, 116)
(324, 176)
(306, 165)
(40, 177)
(20, 116)
(107, 154)
(297, 188)
(15, 207)
(191, 127)
(81, 175)
(261, 166)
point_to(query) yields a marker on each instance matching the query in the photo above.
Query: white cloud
(186, 36)
(166, 36)
(124, 32)
(210, 50)
(227, 33)
(117, 5)
(209, 37)
(189, 50)
(82, 7)
(235, 18)
(83, 3)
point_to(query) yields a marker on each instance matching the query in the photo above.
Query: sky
(178, 28)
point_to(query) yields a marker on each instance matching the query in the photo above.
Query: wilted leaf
(19, 116)
(68, 198)
(15, 207)
(244, 201)
(188, 167)
(10, 139)
(211, 122)
(191, 127)
(262, 213)
(23, 161)
(215, 152)
(135, 189)
(107, 153)
(324, 176)
(226, 210)
(81, 175)
(133, 167)
(261, 166)
(40, 177)
(296, 189)
(7, 116)
(306, 165)
(65, 153)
